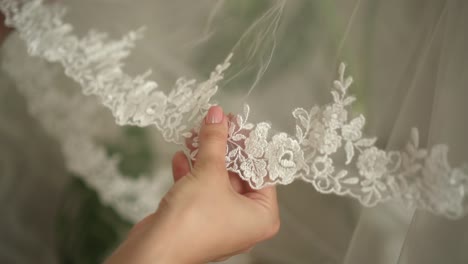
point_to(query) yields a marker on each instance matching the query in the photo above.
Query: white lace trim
(419, 177)
(71, 118)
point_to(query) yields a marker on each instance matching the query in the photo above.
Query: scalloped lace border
(419, 177)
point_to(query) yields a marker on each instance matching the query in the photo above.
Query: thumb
(212, 143)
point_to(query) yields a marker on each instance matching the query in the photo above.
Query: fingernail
(215, 115)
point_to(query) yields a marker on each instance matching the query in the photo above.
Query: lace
(71, 118)
(418, 177)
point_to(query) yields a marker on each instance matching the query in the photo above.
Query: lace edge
(258, 158)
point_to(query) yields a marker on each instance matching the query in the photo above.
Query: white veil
(410, 68)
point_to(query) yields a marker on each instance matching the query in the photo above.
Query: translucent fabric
(409, 67)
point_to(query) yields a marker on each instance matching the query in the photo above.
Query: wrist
(165, 244)
(168, 239)
(150, 241)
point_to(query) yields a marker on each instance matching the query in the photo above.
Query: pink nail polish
(215, 115)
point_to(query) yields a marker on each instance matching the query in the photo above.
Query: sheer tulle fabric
(409, 65)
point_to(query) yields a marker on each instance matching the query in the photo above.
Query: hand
(208, 214)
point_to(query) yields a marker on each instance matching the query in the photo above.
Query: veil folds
(409, 65)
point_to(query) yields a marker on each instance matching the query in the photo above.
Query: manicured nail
(215, 115)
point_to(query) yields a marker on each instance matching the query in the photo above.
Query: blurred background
(409, 63)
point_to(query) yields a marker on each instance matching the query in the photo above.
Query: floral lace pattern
(95, 62)
(70, 118)
(418, 177)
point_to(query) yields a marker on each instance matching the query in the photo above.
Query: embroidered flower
(254, 170)
(322, 169)
(331, 142)
(182, 96)
(353, 130)
(256, 143)
(437, 162)
(326, 141)
(285, 158)
(152, 109)
(334, 116)
(316, 134)
(372, 163)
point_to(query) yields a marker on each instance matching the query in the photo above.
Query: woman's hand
(208, 214)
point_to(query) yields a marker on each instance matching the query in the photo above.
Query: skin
(207, 215)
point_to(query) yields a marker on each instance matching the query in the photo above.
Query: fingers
(213, 142)
(180, 166)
